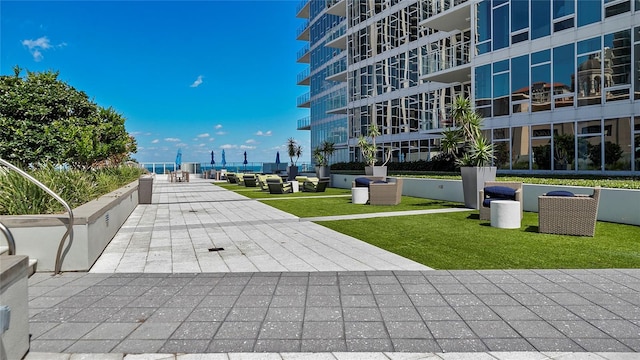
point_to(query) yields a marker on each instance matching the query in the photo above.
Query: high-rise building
(556, 81)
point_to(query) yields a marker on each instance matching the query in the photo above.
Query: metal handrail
(9, 236)
(69, 231)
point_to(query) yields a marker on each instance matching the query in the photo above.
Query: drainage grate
(216, 249)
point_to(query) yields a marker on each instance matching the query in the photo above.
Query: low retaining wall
(616, 205)
(95, 224)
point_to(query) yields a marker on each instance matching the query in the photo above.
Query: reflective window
(520, 84)
(501, 88)
(540, 88)
(520, 148)
(636, 50)
(519, 14)
(589, 144)
(540, 18)
(501, 154)
(617, 144)
(541, 146)
(617, 65)
(563, 146)
(563, 25)
(483, 90)
(562, 8)
(563, 74)
(636, 143)
(484, 21)
(589, 79)
(617, 9)
(501, 27)
(589, 12)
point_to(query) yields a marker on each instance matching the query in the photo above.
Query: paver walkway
(254, 300)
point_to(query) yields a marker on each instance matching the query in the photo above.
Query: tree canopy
(43, 119)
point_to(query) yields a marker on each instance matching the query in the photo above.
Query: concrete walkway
(289, 289)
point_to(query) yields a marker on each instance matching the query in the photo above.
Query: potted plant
(294, 150)
(369, 151)
(472, 151)
(321, 155)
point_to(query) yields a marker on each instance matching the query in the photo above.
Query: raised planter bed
(95, 224)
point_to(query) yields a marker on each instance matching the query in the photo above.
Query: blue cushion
(500, 192)
(379, 182)
(362, 182)
(559, 193)
(487, 202)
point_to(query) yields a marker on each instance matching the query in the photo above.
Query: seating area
(315, 184)
(498, 190)
(382, 191)
(562, 212)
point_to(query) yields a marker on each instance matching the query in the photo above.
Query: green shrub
(21, 197)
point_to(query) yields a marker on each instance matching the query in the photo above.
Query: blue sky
(198, 76)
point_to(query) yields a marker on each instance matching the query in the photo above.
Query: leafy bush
(21, 197)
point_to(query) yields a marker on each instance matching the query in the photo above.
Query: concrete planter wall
(95, 224)
(616, 205)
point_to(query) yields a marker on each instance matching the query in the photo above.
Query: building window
(541, 146)
(563, 146)
(617, 65)
(540, 89)
(483, 90)
(483, 34)
(501, 88)
(636, 50)
(616, 7)
(589, 72)
(589, 12)
(617, 144)
(540, 19)
(636, 143)
(520, 89)
(501, 26)
(589, 141)
(563, 70)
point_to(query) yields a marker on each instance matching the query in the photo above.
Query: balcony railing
(304, 123)
(302, 76)
(446, 58)
(433, 8)
(300, 8)
(337, 67)
(304, 27)
(303, 99)
(302, 53)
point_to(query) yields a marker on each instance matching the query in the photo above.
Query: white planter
(379, 171)
(473, 179)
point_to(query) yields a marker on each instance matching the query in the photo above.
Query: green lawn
(460, 240)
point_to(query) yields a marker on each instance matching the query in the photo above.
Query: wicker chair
(568, 215)
(485, 211)
(385, 193)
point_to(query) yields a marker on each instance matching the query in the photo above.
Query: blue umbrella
(179, 159)
(245, 160)
(224, 161)
(213, 162)
(278, 158)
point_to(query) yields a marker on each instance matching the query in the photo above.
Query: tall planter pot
(473, 179)
(292, 172)
(375, 171)
(323, 171)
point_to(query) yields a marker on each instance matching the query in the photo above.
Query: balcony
(337, 7)
(448, 15)
(448, 65)
(304, 77)
(338, 38)
(337, 104)
(302, 11)
(303, 32)
(304, 56)
(337, 71)
(304, 123)
(304, 100)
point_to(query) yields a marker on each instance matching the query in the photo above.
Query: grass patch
(462, 241)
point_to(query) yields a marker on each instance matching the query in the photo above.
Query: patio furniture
(359, 195)
(262, 180)
(385, 193)
(498, 190)
(250, 180)
(561, 212)
(279, 187)
(364, 181)
(231, 178)
(505, 214)
(319, 185)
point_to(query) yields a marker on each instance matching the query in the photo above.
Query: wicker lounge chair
(568, 215)
(232, 178)
(389, 193)
(484, 198)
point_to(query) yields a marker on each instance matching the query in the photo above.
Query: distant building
(557, 81)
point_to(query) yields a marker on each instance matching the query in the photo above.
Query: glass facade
(557, 92)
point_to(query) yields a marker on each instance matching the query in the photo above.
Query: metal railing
(69, 232)
(9, 236)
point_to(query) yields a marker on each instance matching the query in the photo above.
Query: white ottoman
(295, 186)
(359, 195)
(505, 214)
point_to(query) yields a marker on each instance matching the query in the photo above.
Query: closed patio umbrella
(224, 160)
(245, 160)
(179, 159)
